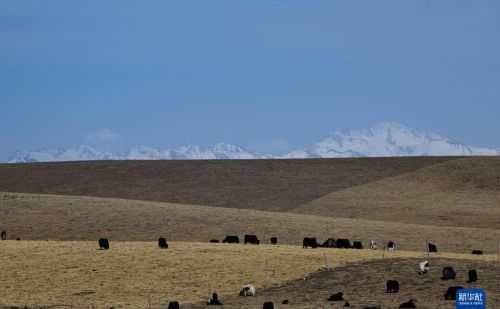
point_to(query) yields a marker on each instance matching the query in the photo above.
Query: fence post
(266, 275)
(498, 256)
(326, 262)
(427, 246)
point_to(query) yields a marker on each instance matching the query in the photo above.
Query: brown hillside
(40, 217)
(463, 192)
(275, 185)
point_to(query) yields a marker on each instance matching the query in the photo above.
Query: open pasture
(140, 275)
(452, 202)
(56, 217)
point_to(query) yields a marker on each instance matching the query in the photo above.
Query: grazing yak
(268, 305)
(451, 293)
(173, 305)
(412, 303)
(391, 245)
(162, 243)
(448, 273)
(478, 252)
(343, 243)
(285, 302)
(357, 245)
(274, 240)
(214, 301)
(472, 274)
(3, 235)
(247, 290)
(309, 242)
(251, 239)
(231, 240)
(373, 244)
(371, 307)
(392, 286)
(424, 267)
(214, 241)
(330, 243)
(103, 244)
(432, 248)
(336, 297)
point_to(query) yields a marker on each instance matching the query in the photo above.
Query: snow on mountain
(300, 154)
(383, 140)
(218, 151)
(86, 153)
(79, 153)
(387, 140)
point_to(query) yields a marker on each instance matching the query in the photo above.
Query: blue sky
(268, 75)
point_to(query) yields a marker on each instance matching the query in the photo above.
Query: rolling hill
(273, 185)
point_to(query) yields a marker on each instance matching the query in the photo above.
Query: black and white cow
(424, 267)
(373, 244)
(391, 245)
(247, 290)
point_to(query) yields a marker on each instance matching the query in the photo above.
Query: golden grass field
(140, 275)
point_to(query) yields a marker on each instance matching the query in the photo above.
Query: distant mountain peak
(389, 139)
(386, 139)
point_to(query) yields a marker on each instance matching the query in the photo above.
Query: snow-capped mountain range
(383, 140)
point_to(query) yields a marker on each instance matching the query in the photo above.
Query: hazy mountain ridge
(382, 140)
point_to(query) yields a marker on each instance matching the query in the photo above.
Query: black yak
(103, 244)
(162, 243)
(309, 242)
(251, 239)
(392, 286)
(231, 240)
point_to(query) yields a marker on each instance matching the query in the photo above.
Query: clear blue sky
(269, 75)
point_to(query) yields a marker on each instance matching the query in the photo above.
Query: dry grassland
(363, 284)
(41, 217)
(461, 193)
(139, 275)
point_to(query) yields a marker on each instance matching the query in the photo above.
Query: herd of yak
(392, 286)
